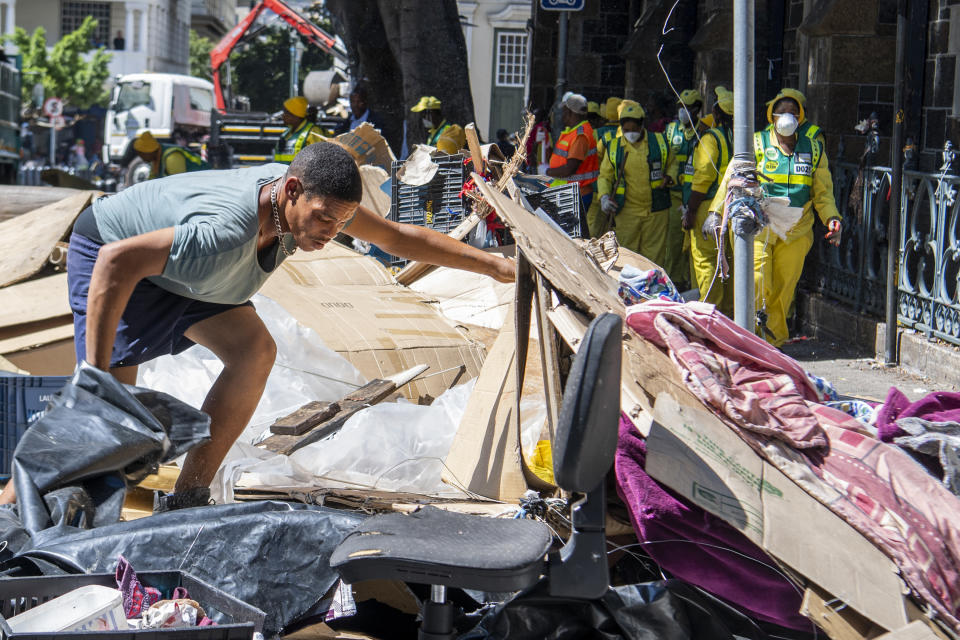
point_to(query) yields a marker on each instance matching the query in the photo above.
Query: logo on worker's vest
(804, 158)
(771, 153)
(771, 166)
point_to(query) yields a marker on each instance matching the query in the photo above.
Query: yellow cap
(630, 109)
(791, 94)
(296, 106)
(593, 107)
(427, 103)
(690, 96)
(610, 109)
(725, 100)
(708, 121)
(146, 143)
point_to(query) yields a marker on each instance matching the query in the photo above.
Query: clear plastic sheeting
(395, 446)
(305, 370)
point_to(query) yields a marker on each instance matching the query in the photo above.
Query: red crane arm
(314, 34)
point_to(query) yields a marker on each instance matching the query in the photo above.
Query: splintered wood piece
(305, 418)
(369, 394)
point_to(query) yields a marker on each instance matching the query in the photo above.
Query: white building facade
(497, 54)
(141, 35)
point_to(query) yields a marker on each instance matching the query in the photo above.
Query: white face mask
(427, 123)
(684, 116)
(785, 123)
(632, 136)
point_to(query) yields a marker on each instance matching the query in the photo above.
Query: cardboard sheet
(381, 329)
(28, 253)
(694, 453)
(374, 197)
(334, 265)
(367, 146)
(485, 457)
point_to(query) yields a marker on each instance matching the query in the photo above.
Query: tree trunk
(406, 49)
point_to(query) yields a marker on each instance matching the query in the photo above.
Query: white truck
(174, 108)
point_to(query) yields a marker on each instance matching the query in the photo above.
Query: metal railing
(929, 277)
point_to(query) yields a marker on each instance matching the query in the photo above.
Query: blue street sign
(562, 5)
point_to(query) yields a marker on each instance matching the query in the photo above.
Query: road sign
(53, 107)
(562, 5)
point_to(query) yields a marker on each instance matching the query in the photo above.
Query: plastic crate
(236, 620)
(436, 205)
(23, 399)
(563, 205)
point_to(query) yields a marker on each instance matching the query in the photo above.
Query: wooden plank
(571, 325)
(20, 199)
(25, 254)
(30, 340)
(473, 143)
(369, 394)
(548, 356)
(163, 480)
(838, 620)
(34, 300)
(305, 418)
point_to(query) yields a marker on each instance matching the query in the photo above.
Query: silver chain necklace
(276, 220)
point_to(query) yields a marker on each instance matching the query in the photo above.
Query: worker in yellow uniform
(574, 157)
(806, 128)
(445, 136)
(300, 132)
(700, 184)
(681, 135)
(596, 117)
(166, 159)
(633, 185)
(603, 135)
(798, 169)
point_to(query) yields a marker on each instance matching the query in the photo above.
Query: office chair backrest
(586, 438)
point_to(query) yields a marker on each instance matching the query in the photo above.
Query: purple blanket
(700, 548)
(940, 406)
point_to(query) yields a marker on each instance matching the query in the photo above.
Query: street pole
(53, 143)
(744, 305)
(561, 68)
(896, 187)
(294, 66)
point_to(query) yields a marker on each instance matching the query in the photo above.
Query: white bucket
(90, 608)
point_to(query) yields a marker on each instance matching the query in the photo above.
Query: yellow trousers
(676, 262)
(596, 219)
(777, 265)
(644, 232)
(703, 257)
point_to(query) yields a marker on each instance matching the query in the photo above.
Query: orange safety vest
(589, 169)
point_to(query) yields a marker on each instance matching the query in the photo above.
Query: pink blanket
(766, 397)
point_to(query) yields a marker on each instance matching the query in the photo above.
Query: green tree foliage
(200, 49)
(261, 65)
(62, 70)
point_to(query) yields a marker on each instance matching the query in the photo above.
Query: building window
(511, 58)
(72, 14)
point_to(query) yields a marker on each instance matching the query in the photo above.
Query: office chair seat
(433, 546)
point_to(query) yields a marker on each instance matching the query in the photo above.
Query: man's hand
(503, 270)
(835, 231)
(668, 182)
(608, 205)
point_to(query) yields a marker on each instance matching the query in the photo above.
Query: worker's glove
(686, 218)
(608, 205)
(710, 225)
(834, 231)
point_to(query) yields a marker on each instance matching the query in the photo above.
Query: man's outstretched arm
(426, 245)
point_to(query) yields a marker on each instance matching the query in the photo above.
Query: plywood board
(36, 339)
(694, 453)
(558, 257)
(34, 300)
(16, 200)
(26, 252)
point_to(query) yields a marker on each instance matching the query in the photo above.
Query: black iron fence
(854, 274)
